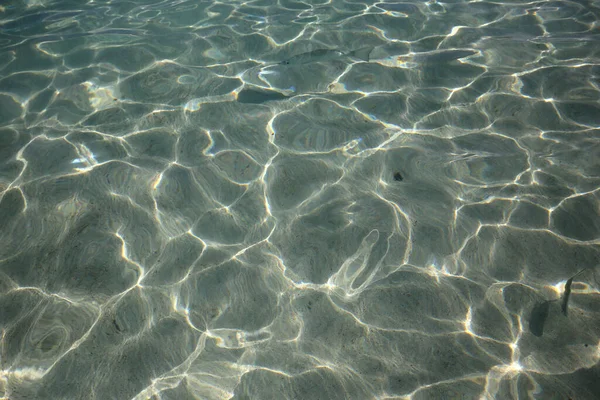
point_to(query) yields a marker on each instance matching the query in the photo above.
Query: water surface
(299, 200)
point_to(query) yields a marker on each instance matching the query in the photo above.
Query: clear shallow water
(197, 205)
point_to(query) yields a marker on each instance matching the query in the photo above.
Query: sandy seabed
(299, 200)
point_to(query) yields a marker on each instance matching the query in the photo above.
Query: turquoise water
(299, 200)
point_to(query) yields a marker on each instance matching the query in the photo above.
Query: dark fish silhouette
(327, 55)
(255, 96)
(539, 313)
(565, 299)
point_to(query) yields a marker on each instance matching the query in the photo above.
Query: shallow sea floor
(299, 200)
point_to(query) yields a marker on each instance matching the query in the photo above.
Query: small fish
(327, 55)
(539, 313)
(565, 299)
(253, 96)
(567, 293)
(437, 56)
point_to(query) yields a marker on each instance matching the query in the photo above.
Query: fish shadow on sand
(539, 313)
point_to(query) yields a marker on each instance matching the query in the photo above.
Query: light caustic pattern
(299, 200)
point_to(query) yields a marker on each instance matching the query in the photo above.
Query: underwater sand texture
(299, 200)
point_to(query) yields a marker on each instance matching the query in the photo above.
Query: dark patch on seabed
(538, 317)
